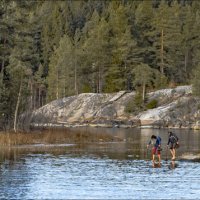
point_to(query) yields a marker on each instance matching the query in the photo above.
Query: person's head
(153, 137)
(170, 133)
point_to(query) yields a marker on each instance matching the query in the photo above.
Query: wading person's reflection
(173, 165)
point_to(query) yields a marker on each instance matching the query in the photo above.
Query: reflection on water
(100, 170)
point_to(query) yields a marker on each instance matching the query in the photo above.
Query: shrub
(130, 107)
(138, 100)
(135, 104)
(152, 104)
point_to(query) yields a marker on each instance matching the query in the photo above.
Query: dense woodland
(53, 49)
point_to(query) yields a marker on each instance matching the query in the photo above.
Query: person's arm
(168, 141)
(148, 144)
(176, 138)
(159, 142)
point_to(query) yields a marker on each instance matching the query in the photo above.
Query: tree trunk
(162, 54)
(143, 91)
(3, 63)
(34, 98)
(57, 94)
(31, 95)
(2, 70)
(186, 60)
(99, 81)
(42, 99)
(39, 96)
(75, 75)
(17, 106)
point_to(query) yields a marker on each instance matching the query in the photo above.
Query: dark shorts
(155, 151)
(172, 146)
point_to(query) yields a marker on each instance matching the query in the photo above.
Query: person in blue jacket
(156, 147)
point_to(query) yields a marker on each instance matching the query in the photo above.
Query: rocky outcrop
(190, 157)
(176, 108)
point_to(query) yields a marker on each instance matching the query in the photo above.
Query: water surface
(101, 170)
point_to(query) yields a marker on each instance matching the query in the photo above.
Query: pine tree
(196, 40)
(52, 31)
(144, 30)
(19, 75)
(96, 50)
(143, 77)
(63, 69)
(168, 26)
(124, 50)
(196, 81)
(161, 24)
(39, 88)
(6, 36)
(22, 59)
(196, 55)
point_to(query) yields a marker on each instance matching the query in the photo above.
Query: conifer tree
(22, 59)
(188, 19)
(143, 77)
(168, 27)
(63, 68)
(96, 50)
(144, 30)
(196, 81)
(52, 31)
(123, 48)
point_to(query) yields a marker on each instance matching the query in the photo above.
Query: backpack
(159, 138)
(174, 138)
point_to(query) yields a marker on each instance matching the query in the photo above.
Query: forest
(54, 49)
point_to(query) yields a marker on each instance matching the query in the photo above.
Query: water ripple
(46, 176)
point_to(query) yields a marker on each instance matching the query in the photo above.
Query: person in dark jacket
(156, 147)
(172, 144)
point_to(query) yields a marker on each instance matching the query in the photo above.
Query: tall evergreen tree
(63, 68)
(144, 30)
(22, 59)
(143, 77)
(124, 49)
(96, 50)
(196, 81)
(52, 31)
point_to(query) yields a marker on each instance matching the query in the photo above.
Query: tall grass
(54, 137)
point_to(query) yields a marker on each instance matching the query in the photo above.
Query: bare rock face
(190, 157)
(83, 109)
(176, 108)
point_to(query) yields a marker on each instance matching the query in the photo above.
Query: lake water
(101, 170)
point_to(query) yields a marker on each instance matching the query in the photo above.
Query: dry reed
(54, 137)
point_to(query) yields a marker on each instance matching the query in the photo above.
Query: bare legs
(173, 152)
(159, 159)
(153, 158)
(153, 161)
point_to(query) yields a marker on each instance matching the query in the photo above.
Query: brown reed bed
(54, 137)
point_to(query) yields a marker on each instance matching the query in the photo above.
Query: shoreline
(96, 125)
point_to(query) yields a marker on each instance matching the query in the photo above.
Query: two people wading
(155, 142)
